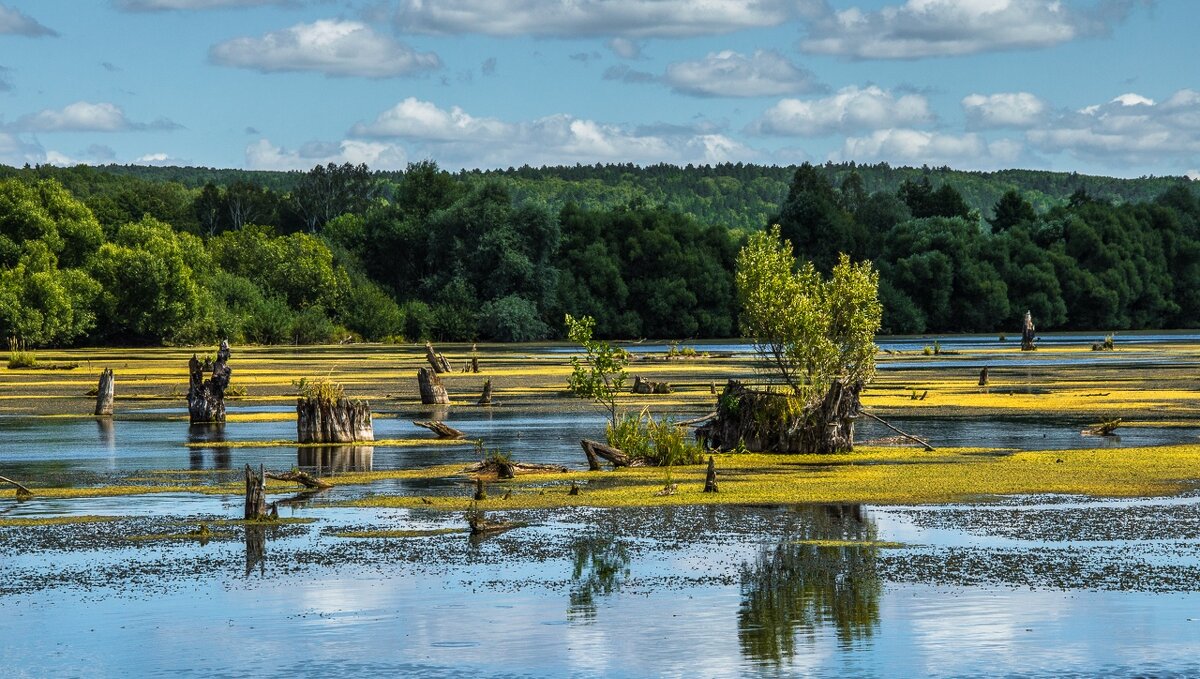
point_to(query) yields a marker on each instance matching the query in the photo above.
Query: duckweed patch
(54, 521)
(397, 533)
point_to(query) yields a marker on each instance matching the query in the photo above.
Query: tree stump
(770, 422)
(104, 394)
(206, 398)
(596, 450)
(710, 479)
(486, 398)
(480, 490)
(256, 494)
(432, 390)
(341, 421)
(475, 364)
(1027, 334)
(641, 386)
(436, 361)
(983, 377)
(442, 430)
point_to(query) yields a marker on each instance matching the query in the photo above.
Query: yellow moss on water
(868, 544)
(398, 533)
(378, 443)
(55, 520)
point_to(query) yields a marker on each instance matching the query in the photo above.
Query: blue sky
(1095, 86)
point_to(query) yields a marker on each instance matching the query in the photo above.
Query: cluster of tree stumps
(343, 420)
(777, 422)
(206, 397)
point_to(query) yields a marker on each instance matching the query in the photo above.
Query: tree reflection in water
(213, 433)
(600, 568)
(801, 586)
(325, 460)
(256, 549)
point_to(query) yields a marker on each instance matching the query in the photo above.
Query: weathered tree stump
(432, 390)
(983, 377)
(596, 450)
(485, 399)
(341, 421)
(480, 490)
(104, 394)
(256, 494)
(442, 430)
(1027, 334)
(206, 398)
(710, 478)
(772, 422)
(436, 361)
(482, 526)
(475, 364)
(641, 386)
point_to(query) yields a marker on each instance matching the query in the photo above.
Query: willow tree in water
(816, 338)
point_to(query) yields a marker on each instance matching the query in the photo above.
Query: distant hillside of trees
(150, 255)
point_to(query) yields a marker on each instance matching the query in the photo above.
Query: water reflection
(601, 565)
(108, 435)
(211, 433)
(256, 549)
(809, 583)
(324, 460)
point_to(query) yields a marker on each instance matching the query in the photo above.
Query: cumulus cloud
(263, 155)
(86, 116)
(625, 48)
(16, 22)
(17, 151)
(330, 46)
(1006, 109)
(851, 109)
(731, 74)
(164, 5)
(1129, 129)
(456, 137)
(935, 28)
(917, 147)
(570, 18)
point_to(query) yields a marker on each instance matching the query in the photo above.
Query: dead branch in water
(906, 435)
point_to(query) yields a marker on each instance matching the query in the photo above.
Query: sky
(1093, 86)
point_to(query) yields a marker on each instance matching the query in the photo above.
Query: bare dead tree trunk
(432, 390)
(437, 361)
(983, 377)
(256, 494)
(206, 398)
(1027, 333)
(710, 478)
(486, 398)
(104, 394)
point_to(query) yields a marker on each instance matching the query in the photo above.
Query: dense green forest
(180, 255)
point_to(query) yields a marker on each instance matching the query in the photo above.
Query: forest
(143, 255)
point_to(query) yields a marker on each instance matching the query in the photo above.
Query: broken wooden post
(442, 430)
(436, 361)
(574, 489)
(712, 387)
(206, 398)
(983, 377)
(104, 394)
(1027, 333)
(486, 398)
(320, 420)
(475, 364)
(432, 390)
(256, 494)
(480, 490)
(595, 449)
(710, 478)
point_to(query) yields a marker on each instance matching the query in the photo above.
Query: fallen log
(595, 450)
(1106, 428)
(432, 390)
(695, 422)
(441, 429)
(880, 420)
(303, 478)
(22, 491)
(500, 469)
(104, 394)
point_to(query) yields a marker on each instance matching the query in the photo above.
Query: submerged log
(710, 478)
(206, 397)
(256, 495)
(104, 394)
(1027, 333)
(774, 422)
(596, 450)
(481, 525)
(432, 390)
(641, 386)
(442, 430)
(303, 478)
(880, 420)
(983, 377)
(341, 421)
(436, 361)
(485, 399)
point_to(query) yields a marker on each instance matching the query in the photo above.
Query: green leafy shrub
(660, 442)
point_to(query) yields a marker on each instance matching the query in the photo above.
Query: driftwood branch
(442, 430)
(596, 450)
(697, 421)
(303, 478)
(906, 435)
(22, 491)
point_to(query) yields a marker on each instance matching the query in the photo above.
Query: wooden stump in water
(486, 398)
(206, 398)
(442, 430)
(104, 394)
(341, 421)
(983, 377)
(432, 390)
(475, 364)
(480, 490)
(1027, 333)
(596, 450)
(256, 494)
(436, 361)
(710, 479)
(641, 386)
(772, 422)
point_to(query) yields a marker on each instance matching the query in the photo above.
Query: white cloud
(163, 5)
(567, 18)
(731, 74)
(1193, 175)
(329, 46)
(934, 28)
(851, 109)
(1128, 130)
(263, 155)
(918, 147)
(17, 151)
(86, 116)
(456, 138)
(625, 48)
(1006, 109)
(16, 22)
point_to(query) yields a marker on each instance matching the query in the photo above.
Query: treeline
(91, 256)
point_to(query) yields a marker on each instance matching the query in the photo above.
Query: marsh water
(1036, 587)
